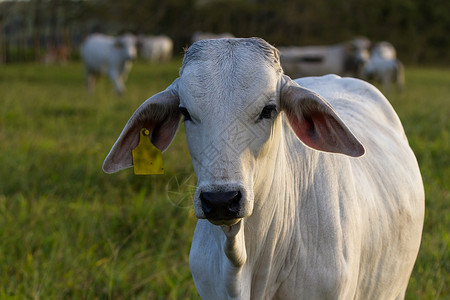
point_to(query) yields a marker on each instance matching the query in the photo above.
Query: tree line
(418, 28)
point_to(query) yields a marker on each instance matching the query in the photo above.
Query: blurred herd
(418, 28)
(113, 55)
(314, 38)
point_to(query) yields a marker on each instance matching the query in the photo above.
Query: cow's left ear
(160, 115)
(315, 122)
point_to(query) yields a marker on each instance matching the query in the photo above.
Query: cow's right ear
(160, 115)
(315, 122)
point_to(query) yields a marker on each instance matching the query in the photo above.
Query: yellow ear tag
(147, 159)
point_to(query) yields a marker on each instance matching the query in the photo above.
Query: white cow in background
(103, 54)
(384, 67)
(289, 206)
(156, 48)
(344, 59)
(384, 49)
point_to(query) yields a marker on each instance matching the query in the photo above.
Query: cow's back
(387, 187)
(96, 51)
(357, 102)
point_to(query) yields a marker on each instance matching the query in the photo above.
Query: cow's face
(126, 44)
(230, 107)
(357, 54)
(231, 93)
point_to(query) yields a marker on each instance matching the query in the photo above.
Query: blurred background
(419, 29)
(70, 231)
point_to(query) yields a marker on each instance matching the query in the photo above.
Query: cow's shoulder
(357, 102)
(335, 88)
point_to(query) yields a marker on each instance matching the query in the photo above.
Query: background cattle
(384, 49)
(384, 67)
(156, 48)
(108, 55)
(345, 59)
(57, 54)
(306, 189)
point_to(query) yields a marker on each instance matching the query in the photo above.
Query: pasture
(69, 231)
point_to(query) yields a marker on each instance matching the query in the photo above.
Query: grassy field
(69, 231)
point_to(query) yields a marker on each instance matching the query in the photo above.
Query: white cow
(384, 67)
(111, 55)
(345, 59)
(384, 49)
(156, 48)
(289, 206)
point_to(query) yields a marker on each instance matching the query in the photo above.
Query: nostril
(206, 204)
(235, 203)
(219, 197)
(221, 205)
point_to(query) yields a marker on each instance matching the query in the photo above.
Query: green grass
(69, 231)
(424, 109)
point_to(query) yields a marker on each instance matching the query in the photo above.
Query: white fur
(315, 224)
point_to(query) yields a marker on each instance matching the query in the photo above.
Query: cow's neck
(269, 233)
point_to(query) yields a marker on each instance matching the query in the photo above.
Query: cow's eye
(185, 113)
(267, 111)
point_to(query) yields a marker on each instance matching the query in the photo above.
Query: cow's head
(126, 44)
(357, 54)
(231, 94)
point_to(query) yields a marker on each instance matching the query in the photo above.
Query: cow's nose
(221, 205)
